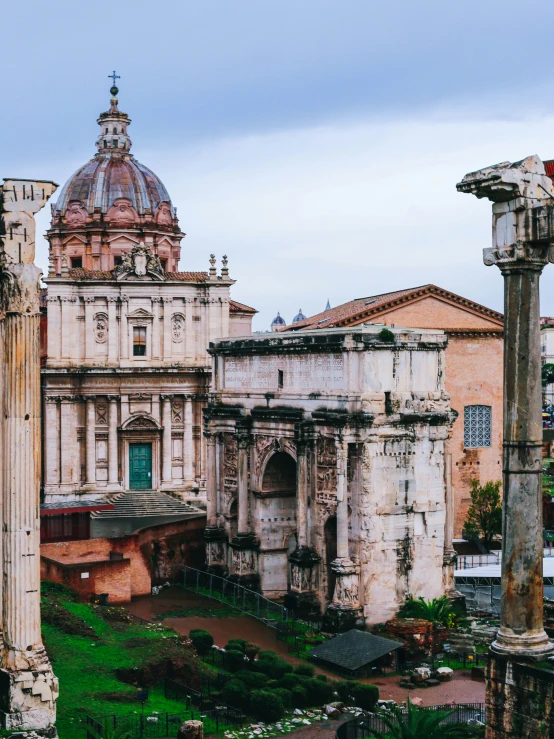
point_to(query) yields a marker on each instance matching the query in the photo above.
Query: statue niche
(122, 213)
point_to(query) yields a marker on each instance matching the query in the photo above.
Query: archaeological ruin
(326, 481)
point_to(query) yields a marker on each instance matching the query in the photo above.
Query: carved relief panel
(229, 466)
(326, 491)
(101, 328)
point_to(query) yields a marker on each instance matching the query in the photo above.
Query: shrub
(252, 679)
(268, 654)
(251, 650)
(305, 669)
(386, 336)
(365, 696)
(345, 689)
(201, 640)
(322, 677)
(274, 668)
(317, 691)
(266, 706)
(236, 694)
(236, 644)
(234, 660)
(289, 681)
(285, 695)
(299, 697)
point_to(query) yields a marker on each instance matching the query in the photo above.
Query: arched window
(477, 426)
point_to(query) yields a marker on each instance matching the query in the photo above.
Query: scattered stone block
(191, 730)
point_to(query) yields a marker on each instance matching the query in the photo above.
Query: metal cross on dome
(114, 77)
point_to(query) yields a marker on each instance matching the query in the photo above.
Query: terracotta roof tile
(101, 274)
(236, 307)
(355, 310)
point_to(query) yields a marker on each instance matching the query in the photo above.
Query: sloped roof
(355, 310)
(236, 307)
(354, 649)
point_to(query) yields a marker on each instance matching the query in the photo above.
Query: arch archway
(279, 477)
(330, 533)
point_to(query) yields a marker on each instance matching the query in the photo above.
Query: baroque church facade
(126, 371)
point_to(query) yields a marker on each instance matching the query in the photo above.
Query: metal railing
(234, 595)
(365, 726)
(205, 703)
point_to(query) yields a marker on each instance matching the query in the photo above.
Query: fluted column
(90, 440)
(302, 493)
(188, 442)
(342, 502)
(211, 479)
(167, 327)
(243, 442)
(113, 476)
(166, 447)
(52, 441)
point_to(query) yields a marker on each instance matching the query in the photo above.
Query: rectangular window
(76, 262)
(117, 260)
(477, 426)
(139, 341)
(280, 379)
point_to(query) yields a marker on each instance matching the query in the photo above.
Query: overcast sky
(317, 143)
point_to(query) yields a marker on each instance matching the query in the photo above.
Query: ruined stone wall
(111, 576)
(520, 700)
(400, 539)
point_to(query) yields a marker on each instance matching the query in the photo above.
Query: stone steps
(143, 503)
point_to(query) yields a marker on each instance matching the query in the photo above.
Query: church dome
(299, 316)
(113, 175)
(278, 322)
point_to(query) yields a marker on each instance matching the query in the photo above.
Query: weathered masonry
(325, 468)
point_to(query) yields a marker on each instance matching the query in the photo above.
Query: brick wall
(152, 555)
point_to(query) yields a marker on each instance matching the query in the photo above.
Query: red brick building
(474, 369)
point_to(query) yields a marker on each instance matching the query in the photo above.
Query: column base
(244, 561)
(345, 612)
(301, 598)
(339, 619)
(304, 605)
(215, 539)
(533, 645)
(28, 696)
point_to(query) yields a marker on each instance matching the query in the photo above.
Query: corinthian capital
(20, 286)
(508, 181)
(519, 255)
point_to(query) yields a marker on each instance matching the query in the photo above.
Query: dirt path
(225, 626)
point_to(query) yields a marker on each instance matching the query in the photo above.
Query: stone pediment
(140, 264)
(140, 421)
(140, 313)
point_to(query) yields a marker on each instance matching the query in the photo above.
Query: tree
(438, 610)
(484, 517)
(547, 374)
(420, 723)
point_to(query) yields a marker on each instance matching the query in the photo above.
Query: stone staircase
(145, 504)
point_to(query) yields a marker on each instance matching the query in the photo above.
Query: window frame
(477, 426)
(143, 331)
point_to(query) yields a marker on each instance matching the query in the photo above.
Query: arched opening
(280, 475)
(330, 532)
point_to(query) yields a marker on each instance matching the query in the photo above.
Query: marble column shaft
(211, 480)
(243, 443)
(52, 441)
(166, 446)
(90, 440)
(113, 467)
(302, 493)
(188, 442)
(342, 501)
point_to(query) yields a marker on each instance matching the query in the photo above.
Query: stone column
(188, 442)
(211, 477)
(89, 329)
(523, 231)
(54, 337)
(124, 328)
(449, 555)
(244, 554)
(156, 328)
(303, 561)
(345, 610)
(113, 465)
(28, 688)
(112, 329)
(214, 535)
(52, 443)
(90, 440)
(68, 441)
(166, 445)
(167, 328)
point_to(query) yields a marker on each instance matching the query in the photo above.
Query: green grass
(85, 665)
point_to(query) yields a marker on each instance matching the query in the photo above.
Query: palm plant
(438, 609)
(420, 723)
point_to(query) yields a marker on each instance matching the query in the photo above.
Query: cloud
(346, 210)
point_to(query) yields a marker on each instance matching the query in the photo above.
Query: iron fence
(366, 726)
(205, 703)
(237, 596)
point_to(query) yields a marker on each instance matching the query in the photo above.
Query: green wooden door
(140, 466)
